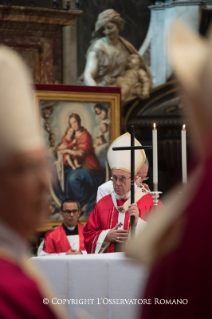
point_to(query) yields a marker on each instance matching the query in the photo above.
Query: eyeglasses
(121, 179)
(74, 211)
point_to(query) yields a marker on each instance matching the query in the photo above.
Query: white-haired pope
(23, 194)
(109, 223)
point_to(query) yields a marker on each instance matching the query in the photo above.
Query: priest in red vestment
(23, 195)
(66, 239)
(109, 223)
(177, 243)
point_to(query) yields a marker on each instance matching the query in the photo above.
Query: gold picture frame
(98, 118)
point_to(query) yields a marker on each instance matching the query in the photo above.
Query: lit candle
(184, 157)
(155, 156)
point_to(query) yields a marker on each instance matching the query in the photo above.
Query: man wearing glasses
(66, 239)
(140, 178)
(109, 223)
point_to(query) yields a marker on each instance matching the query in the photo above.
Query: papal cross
(132, 148)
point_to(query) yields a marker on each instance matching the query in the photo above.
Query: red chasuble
(57, 242)
(185, 274)
(105, 216)
(20, 297)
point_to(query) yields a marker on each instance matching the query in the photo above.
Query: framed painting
(78, 124)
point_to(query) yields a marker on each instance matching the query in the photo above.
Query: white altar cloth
(103, 278)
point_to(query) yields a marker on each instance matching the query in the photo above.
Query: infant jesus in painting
(68, 142)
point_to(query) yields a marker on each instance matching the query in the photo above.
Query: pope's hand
(133, 211)
(117, 235)
(146, 186)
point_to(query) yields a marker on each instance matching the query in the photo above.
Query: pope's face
(70, 214)
(121, 181)
(24, 192)
(111, 31)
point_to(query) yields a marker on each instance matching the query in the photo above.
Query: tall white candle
(155, 154)
(184, 156)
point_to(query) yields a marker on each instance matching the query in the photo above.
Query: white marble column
(162, 16)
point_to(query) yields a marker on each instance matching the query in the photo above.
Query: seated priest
(141, 176)
(109, 223)
(66, 239)
(23, 194)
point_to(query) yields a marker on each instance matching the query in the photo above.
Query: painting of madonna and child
(77, 135)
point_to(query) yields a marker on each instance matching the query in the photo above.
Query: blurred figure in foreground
(177, 242)
(23, 194)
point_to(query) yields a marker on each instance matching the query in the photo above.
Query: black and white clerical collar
(70, 230)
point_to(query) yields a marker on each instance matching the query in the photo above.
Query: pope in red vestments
(109, 223)
(105, 216)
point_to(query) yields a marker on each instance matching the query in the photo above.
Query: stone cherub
(135, 82)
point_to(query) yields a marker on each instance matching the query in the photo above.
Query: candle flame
(183, 127)
(154, 125)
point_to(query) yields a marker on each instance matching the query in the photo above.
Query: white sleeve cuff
(101, 240)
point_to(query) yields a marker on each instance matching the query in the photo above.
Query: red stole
(114, 222)
(120, 202)
(56, 241)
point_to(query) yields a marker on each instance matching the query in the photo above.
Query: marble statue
(109, 60)
(135, 82)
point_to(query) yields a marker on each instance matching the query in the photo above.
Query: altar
(107, 286)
